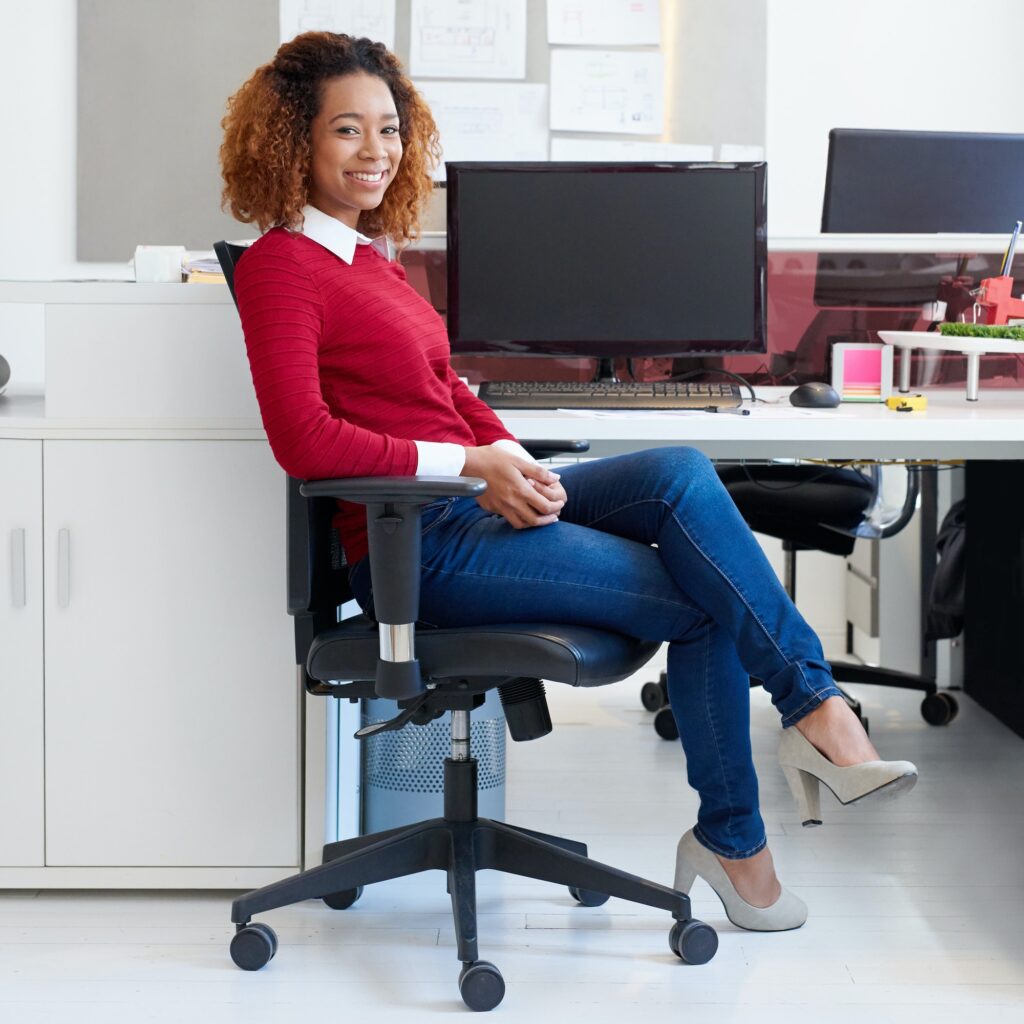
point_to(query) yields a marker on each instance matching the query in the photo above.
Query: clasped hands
(524, 493)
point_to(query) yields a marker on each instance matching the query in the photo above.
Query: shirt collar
(339, 238)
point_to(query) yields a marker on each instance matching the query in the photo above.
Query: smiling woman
(316, 125)
(328, 145)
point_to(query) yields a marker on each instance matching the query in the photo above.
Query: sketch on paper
(607, 91)
(468, 39)
(490, 121)
(604, 22)
(374, 19)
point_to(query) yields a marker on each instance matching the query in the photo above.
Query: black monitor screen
(902, 182)
(907, 182)
(606, 259)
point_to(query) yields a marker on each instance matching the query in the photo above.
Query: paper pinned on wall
(612, 150)
(604, 22)
(468, 39)
(488, 121)
(607, 91)
(374, 19)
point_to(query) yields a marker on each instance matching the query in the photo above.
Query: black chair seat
(802, 505)
(562, 654)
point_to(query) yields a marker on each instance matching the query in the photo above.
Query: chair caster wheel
(652, 696)
(693, 941)
(939, 708)
(665, 724)
(344, 899)
(253, 946)
(481, 985)
(587, 897)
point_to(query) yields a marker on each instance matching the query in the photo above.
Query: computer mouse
(815, 394)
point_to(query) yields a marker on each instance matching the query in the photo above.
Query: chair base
(460, 844)
(851, 672)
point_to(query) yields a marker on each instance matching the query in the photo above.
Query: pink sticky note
(862, 369)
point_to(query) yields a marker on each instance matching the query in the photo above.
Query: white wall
(898, 64)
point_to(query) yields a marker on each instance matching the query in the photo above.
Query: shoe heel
(686, 875)
(806, 793)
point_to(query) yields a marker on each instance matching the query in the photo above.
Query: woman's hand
(525, 493)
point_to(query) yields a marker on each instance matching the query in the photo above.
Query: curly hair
(266, 153)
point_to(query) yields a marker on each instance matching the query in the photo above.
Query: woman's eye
(390, 131)
(347, 131)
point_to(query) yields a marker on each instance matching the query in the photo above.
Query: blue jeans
(706, 589)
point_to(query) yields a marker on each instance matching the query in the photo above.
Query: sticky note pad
(862, 372)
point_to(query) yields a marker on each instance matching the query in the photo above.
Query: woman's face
(356, 146)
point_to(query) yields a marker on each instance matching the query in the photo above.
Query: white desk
(951, 428)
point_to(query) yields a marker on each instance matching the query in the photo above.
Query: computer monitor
(908, 182)
(606, 259)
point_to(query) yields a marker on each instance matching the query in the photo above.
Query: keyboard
(571, 394)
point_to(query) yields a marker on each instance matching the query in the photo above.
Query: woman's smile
(370, 179)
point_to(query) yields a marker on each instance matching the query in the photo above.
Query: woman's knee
(681, 465)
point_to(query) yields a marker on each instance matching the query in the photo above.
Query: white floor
(916, 907)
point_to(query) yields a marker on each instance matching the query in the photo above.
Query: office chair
(428, 672)
(820, 508)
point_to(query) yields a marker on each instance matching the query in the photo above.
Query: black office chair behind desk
(437, 670)
(819, 508)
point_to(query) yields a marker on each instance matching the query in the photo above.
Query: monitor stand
(605, 372)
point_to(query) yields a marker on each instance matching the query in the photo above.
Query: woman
(328, 147)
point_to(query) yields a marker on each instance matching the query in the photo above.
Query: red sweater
(350, 366)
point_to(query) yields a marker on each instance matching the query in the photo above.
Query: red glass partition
(814, 300)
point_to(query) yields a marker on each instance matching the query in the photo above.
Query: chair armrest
(393, 507)
(406, 490)
(545, 449)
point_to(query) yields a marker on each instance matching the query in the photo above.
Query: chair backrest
(228, 255)
(316, 573)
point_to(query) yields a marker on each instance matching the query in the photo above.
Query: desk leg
(994, 604)
(928, 528)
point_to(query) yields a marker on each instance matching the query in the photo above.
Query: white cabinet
(172, 720)
(21, 653)
(172, 716)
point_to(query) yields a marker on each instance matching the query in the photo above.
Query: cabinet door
(172, 713)
(21, 653)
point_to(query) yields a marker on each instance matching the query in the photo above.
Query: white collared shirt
(339, 238)
(434, 458)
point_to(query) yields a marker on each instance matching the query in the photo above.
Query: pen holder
(997, 304)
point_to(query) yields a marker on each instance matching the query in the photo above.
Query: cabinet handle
(18, 568)
(63, 568)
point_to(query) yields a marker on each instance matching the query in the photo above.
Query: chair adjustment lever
(395, 723)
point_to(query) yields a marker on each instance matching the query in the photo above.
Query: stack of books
(202, 268)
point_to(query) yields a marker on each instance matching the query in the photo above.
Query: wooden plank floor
(915, 907)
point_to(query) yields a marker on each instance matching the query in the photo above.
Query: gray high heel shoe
(693, 859)
(805, 767)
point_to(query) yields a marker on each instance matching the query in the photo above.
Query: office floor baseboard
(914, 906)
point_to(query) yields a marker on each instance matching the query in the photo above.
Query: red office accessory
(996, 302)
